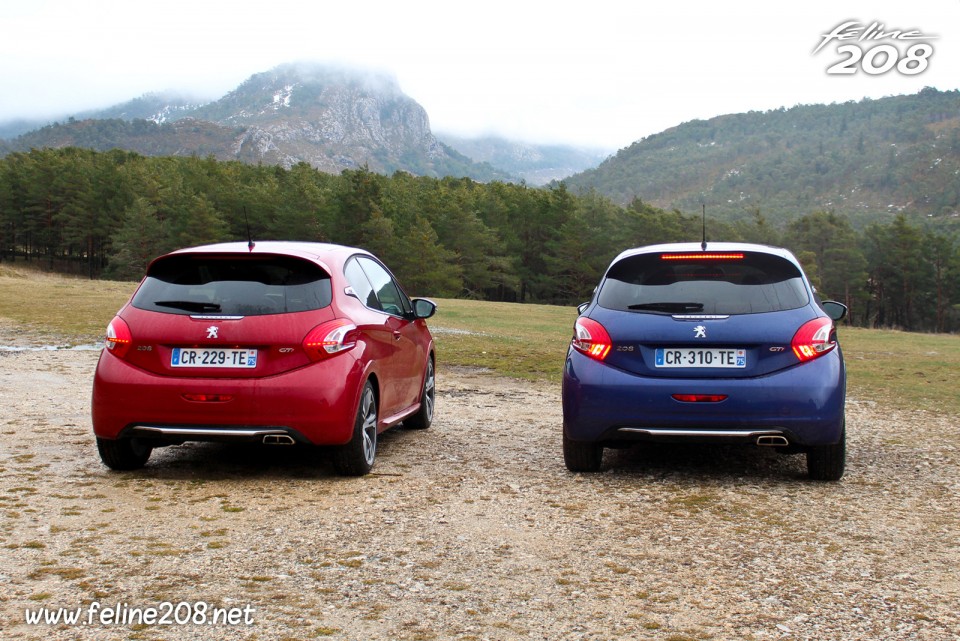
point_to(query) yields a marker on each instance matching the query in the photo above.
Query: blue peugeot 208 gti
(726, 342)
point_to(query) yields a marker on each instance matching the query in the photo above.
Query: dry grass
(901, 369)
(56, 306)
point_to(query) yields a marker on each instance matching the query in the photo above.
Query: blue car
(726, 343)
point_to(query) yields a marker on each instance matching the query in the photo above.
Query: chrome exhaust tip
(278, 439)
(772, 440)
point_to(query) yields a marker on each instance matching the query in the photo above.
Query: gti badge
(212, 331)
(699, 331)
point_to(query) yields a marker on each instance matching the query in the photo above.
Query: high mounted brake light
(704, 256)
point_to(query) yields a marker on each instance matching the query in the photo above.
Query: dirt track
(474, 530)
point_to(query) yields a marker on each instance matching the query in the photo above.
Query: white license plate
(190, 357)
(696, 357)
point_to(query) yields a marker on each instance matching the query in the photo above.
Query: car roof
(322, 253)
(695, 248)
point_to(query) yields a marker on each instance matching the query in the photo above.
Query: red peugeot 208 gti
(273, 342)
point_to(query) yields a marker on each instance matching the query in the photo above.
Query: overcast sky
(592, 72)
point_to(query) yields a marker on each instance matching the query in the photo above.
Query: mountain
(178, 138)
(868, 160)
(332, 119)
(157, 107)
(10, 129)
(535, 164)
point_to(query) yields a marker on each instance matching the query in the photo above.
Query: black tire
(582, 457)
(123, 454)
(828, 462)
(428, 396)
(356, 458)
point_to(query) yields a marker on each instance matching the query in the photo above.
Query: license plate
(190, 357)
(689, 357)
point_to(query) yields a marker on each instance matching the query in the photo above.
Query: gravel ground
(471, 530)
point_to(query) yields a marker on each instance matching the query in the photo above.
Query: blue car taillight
(813, 339)
(591, 339)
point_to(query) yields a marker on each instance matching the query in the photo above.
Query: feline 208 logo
(877, 49)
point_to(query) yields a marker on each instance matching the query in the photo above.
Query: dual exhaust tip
(772, 440)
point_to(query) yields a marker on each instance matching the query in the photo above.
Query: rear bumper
(315, 404)
(804, 404)
(167, 434)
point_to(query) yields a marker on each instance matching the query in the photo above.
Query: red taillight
(703, 256)
(331, 338)
(209, 398)
(119, 338)
(813, 339)
(700, 398)
(591, 338)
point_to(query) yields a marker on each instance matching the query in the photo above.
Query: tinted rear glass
(233, 285)
(755, 283)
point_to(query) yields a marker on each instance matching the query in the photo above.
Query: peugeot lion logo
(212, 331)
(699, 331)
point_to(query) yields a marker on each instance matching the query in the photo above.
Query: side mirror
(423, 308)
(582, 307)
(836, 311)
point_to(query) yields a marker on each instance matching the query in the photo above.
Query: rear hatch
(226, 315)
(719, 315)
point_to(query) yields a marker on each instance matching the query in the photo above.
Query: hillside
(867, 160)
(157, 107)
(535, 164)
(179, 138)
(328, 118)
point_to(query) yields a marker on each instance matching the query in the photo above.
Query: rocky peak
(329, 117)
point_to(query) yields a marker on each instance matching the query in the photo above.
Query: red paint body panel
(317, 401)
(314, 400)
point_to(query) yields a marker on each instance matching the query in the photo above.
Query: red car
(274, 342)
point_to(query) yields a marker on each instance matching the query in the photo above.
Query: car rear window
(233, 285)
(660, 283)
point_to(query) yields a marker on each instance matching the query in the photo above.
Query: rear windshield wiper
(670, 308)
(189, 305)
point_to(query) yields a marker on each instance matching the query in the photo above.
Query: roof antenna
(250, 243)
(703, 245)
